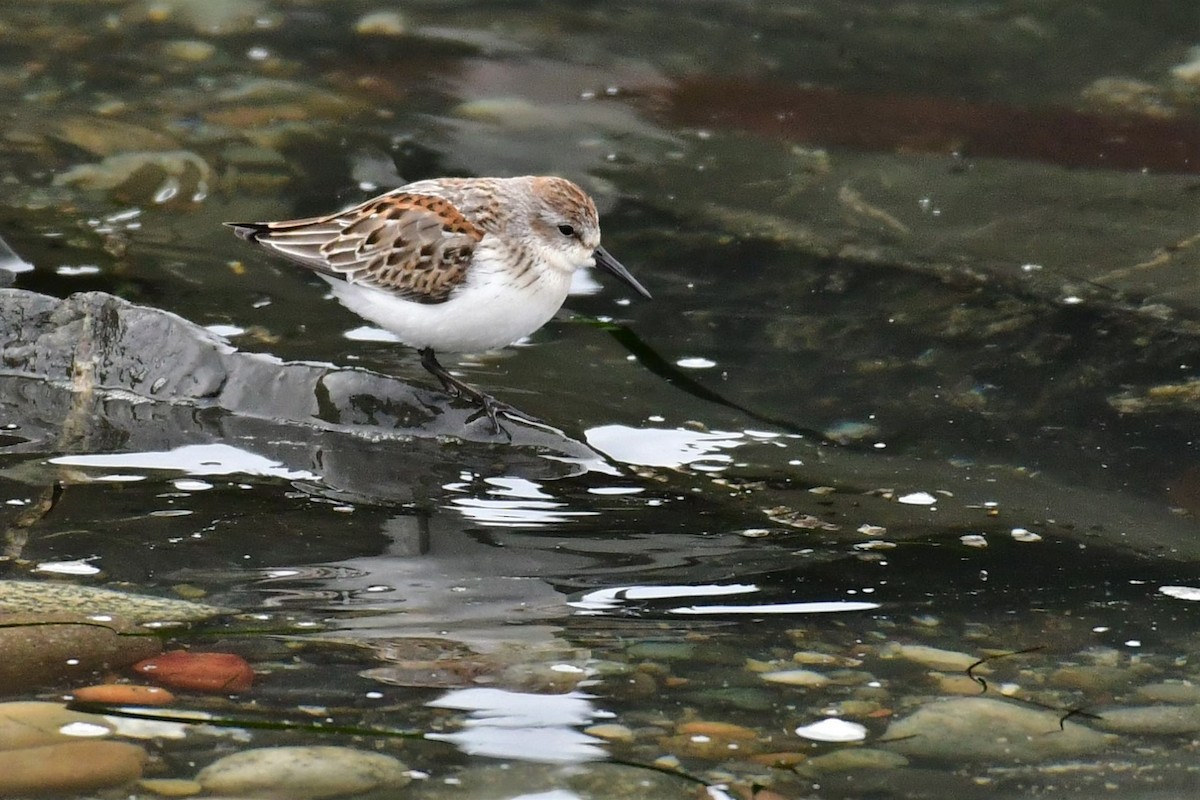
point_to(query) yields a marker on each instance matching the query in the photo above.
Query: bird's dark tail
(250, 231)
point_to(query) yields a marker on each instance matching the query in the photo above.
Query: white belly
(486, 313)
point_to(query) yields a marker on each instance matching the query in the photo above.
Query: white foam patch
(78, 567)
(516, 513)
(531, 727)
(185, 485)
(86, 730)
(193, 459)
(225, 330)
(827, 607)
(662, 447)
(1181, 592)
(616, 596)
(833, 730)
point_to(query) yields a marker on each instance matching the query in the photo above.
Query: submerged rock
(71, 767)
(932, 657)
(94, 373)
(1171, 720)
(171, 787)
(48, 649)
(145, 177)
(853, 758)
(982, 729)
(47, 597)
(111, 349)
(1181, 692)
(124, 694)
(107, 137)
(304, 773)
(29, 724)
(796, 677)
(220, 673)
(612, 732)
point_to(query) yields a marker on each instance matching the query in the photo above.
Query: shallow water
(918, 372)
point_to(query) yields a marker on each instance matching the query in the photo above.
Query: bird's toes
(490, 411)
(493, 409)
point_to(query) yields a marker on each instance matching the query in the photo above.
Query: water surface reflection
(910, 421)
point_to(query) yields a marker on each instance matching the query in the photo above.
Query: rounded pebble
(811, 658)
(855, 758)
(303, 773)
(27, 724)
(48, 649)
(610, 732)
(171, 787)
(1182, 692)
(716, 730)
(1163, 720)
(1092, 678)
(932, 657)
(221, 673)
(981, 729)
(119, 694)
(71, 767)
(796, 677)
(955, 683)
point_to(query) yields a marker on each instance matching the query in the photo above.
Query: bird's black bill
(607, 262)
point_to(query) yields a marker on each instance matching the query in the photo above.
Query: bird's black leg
(449, 382)
(487, 404)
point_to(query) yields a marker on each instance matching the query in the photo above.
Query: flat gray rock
(982, 729)
(1165, 720)
(93, 373)
(51, 597)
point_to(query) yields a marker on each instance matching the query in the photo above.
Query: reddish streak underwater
(929, 124)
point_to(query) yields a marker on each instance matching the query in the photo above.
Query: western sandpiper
(453, 264)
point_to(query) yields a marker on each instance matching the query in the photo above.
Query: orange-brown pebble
(69, 768)
(124, 694)
(171, 787)
(220, 673)
(782, 760)
(674, 681)
(716, 730)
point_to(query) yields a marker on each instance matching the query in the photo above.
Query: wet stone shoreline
(889, 493)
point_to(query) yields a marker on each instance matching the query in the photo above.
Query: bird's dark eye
(566, 230)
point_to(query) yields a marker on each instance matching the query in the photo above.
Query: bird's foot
(488, 405)
(493, 409)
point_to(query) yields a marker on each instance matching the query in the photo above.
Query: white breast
(488, 311)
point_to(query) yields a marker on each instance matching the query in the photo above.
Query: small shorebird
(452, 264)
